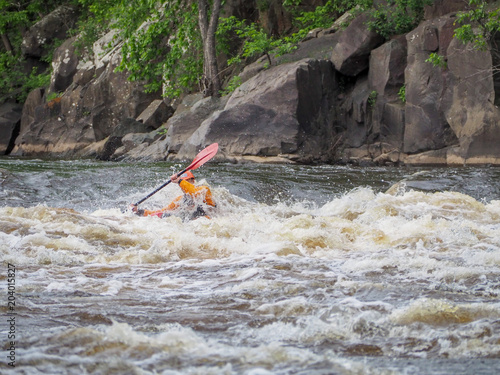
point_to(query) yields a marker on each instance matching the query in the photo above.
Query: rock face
(450, 107)
(426, 126)
(89, 110)
(345, 95)
(282, 111)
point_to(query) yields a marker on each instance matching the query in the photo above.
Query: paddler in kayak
(194, 203)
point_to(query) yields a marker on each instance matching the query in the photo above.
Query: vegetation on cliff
(163, 44)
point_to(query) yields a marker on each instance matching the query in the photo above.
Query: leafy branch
(478, 25)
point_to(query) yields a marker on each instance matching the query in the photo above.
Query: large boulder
(386, 75)
(391, 125)
(51, 27)
(284, 111)
(50, 133)
(385, 80)
(114, 141)
(155, 114)
(185, 121)
(356, 109)
(167, 140)
(352, 52)
(469, 103)
(111, 97)
(318, 46)
(64, 65)
(426, 126)
(33, 100)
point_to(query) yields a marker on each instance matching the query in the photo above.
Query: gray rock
(284, 110)
(53, 26)
(351, 54)
(185, 121)
(426, 126)
(155, 114)
(387, 67)
(64, 64)
(452, 107)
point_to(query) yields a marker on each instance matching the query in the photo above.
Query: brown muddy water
(302, 270)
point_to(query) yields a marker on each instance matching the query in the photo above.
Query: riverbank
(345, 96)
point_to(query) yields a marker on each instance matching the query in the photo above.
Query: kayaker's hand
(133, 207)
(174, 178)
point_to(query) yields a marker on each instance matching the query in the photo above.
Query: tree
(208, 22)
(170, 45)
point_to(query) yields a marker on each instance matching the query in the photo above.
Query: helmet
(187, 175)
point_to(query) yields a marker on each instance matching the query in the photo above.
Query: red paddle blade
(204, 156)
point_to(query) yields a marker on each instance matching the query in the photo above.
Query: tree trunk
(208, 27)
(7, 44)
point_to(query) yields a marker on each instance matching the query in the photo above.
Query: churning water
(302, 270)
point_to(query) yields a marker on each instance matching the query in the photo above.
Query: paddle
(204, 155)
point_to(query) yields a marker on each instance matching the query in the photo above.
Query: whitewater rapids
(360, 280)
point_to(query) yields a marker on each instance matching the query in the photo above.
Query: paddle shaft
(159, 188)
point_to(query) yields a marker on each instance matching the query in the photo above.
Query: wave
(445, 223)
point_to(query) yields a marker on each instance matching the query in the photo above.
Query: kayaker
(192, 204)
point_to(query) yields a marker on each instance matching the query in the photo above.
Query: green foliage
(91, 26)
(170, 43)
(11, 16)
(255, 41)
(14, 82)
(162, 131)
(10, 77)
(437, 60)
(14, 14)
(402, 93)
(233, 84)
(162, 43)
(263, 5)
(478, 24)
(33, 81)
(53, 95)
(372, 98)
(14, 17)
(161, 40)
(397, 16)
(322, 16)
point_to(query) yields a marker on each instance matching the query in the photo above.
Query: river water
(302, 270)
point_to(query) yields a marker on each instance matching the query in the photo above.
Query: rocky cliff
(336, 99)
